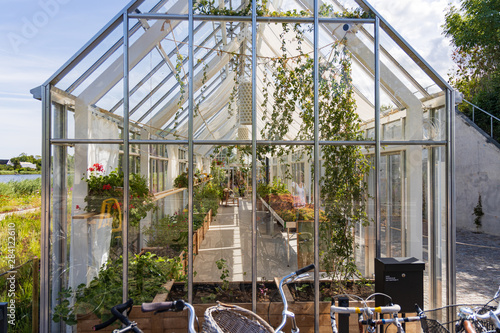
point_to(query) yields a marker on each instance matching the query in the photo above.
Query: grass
(19, 244)
(23, 297)
(20, 195)
(22, 172)
(20, 239)
(25, 230)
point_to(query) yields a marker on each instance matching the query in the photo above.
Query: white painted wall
(477, 161)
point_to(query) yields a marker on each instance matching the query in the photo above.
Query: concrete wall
(477, 172)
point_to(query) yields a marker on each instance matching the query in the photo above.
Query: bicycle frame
(367, 313)
(469, 316)
(286, 313)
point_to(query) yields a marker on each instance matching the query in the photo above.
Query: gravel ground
(478, 267)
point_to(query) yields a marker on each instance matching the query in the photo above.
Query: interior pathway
(230, 238)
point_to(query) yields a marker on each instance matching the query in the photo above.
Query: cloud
(419, 23)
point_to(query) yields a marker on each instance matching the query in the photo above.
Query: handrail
(474, 107)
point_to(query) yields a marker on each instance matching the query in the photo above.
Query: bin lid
(400, 263)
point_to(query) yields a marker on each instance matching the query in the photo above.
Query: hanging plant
(102, 186)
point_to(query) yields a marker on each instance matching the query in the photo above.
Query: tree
(474, 29)
(23, 157)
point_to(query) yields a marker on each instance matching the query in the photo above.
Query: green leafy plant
(147, 274)
(278, 187)
(181, 180)
(478, 213)
(209, 299)
(263, 190)
(224, 272)
(101, 187)
(207, 196)
(20, 195)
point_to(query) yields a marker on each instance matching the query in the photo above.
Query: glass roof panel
(94, 63)
(412, 76)
(158, 80)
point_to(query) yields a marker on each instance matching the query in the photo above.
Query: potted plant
(101, 186)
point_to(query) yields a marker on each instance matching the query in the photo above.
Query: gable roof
(158, 62)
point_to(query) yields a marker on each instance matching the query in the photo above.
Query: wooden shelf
(161, 195)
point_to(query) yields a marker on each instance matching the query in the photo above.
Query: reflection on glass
(391, 205)
(93, 279)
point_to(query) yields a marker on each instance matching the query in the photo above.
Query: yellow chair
(106, 210)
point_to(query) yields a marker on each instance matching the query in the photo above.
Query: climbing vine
(288, 95)
(343, 189)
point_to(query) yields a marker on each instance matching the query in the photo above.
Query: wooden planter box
(176, 322)
(198, 237)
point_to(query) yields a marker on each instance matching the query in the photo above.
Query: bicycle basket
(432, 326)
(233, 319)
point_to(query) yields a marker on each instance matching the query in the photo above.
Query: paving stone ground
(478, 267)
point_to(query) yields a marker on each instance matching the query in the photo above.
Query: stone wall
(477, 166)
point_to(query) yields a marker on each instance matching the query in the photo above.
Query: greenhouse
(230, 142)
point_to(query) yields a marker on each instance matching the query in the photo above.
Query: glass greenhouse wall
(237, 141)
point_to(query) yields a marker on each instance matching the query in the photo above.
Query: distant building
(28, 165)
(4, 162)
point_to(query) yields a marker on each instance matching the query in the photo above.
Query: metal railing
(492, 117)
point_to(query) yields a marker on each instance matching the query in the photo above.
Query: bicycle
(484, 319)
(224, 318)
(292, 277)
(117, 312)
(367, 315)
(176, 306)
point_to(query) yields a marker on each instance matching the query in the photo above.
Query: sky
(38, 36)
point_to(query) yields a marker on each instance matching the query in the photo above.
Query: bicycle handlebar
(289, 278)
(163, 306)
(304, 269)
(116, 311)
(176, 306)
(380, 309)
(492, 316)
